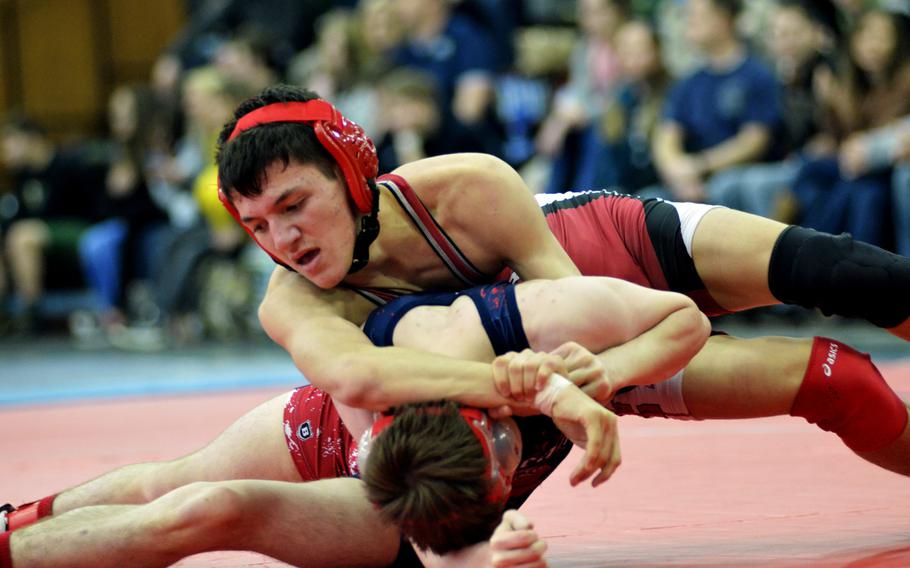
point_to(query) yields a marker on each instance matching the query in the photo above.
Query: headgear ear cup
(355, 154)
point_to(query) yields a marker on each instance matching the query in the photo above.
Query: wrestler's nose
(286, 237)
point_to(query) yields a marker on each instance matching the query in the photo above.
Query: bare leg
(737, 276)
(25, 244)
(752, 378)
(324, 523)
(253, 447)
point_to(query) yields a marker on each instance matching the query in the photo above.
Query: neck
(725, 54)
(387, 215)
(431, 26)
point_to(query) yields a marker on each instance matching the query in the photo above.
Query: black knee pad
(840, 276)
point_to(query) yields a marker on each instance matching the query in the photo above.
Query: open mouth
(307, 257)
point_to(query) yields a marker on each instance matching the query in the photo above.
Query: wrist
(545, 399)
(701, 164)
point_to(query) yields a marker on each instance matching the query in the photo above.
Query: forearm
(658, 353)
(747, 146)
(378, 378)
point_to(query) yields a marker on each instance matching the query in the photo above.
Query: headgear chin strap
(499, 439)
(369, 230)
(352, 150)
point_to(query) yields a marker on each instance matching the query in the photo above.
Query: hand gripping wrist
(545, 399)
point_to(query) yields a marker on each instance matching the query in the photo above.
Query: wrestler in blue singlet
(544, 445)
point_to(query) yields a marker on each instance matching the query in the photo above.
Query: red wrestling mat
(772, 493)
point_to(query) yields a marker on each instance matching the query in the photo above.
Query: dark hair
(730, 7)
(427, 474)
(243, 161)
(857, 80)
(821, 12)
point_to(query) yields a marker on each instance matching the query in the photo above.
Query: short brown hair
(242, 162)
(427, 473)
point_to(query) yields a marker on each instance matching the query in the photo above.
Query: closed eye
(293, 206)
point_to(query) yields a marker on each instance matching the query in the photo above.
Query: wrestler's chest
(412, 261)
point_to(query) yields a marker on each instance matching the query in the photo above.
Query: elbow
(351, 380)
(697, 327)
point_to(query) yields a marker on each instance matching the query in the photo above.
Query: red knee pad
(6, 555)
(30, 513)
(843, 392)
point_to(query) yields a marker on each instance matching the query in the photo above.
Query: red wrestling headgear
(499, 439)
(346, 141)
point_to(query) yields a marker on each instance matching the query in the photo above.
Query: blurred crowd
(798, 110)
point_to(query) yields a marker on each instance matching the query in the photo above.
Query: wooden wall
(59, 59)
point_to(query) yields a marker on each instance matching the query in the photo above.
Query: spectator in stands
(525, 93)
(288, 25)
(202, 229)
(460, 55)
(619, 154)
(593, 73)
(847, 191)
(246, 60)
(56, 191)
(723, 115)
(802, 37)
(117, 250)
(344, 65)
(412, 124)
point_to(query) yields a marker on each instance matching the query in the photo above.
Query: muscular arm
(642, 336)
(486, 207)
(336, 356)
(489, 211)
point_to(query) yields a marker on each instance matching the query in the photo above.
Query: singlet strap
(436, 237)
(380, 296)
(380, 324)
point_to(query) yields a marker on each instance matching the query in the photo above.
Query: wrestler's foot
(5, 510)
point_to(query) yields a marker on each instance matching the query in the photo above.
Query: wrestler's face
(304, 219)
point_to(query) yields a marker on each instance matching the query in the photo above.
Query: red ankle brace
(843, 392)
(31, 513)
(6, 555)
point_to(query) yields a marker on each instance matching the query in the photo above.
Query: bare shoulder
(289, 295)
(461, 176)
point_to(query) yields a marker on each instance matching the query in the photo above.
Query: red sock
(31, 513)
(6, 555)
(843, 392)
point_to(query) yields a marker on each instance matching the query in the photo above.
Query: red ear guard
(345, 140)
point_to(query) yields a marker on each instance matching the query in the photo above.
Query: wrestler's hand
(514, 543)
(586, 371)
(518, 375)
(592, 427)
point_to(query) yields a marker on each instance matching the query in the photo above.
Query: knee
(843, 392)
(203, 512)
